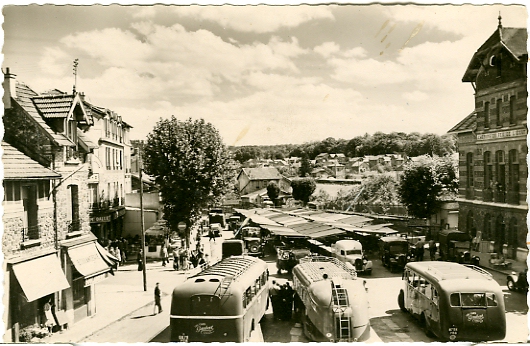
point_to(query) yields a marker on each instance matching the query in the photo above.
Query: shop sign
(94, 178)
(99, 219)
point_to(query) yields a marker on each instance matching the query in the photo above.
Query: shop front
(85, 267)
(33, 283)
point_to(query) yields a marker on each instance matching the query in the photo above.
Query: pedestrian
(176, 259)
(211, 235)
(157, 300)
(184, 255)
(164, 255)
(118, 255)
(286, 302)
(140, 260)
(274, 292)
(419, 251)
(432, 250)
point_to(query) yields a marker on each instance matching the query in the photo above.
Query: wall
(151, 200)
(132, 221)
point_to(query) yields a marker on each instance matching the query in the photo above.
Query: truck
(217, 215)
(253, 240)
(351, 251)
(332, 301)
(455, 246)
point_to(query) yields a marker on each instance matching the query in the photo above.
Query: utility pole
(142, 221)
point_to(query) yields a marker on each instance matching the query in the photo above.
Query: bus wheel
(401, 301)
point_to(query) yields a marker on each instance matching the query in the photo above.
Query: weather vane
(76, 62)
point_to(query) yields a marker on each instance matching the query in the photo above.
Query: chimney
(9, 85)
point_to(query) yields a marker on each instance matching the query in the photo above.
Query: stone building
(492, 145)
(110, 173)
(50, 255)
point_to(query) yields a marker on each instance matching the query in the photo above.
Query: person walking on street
(274, 294)
(176, 259)
(157, 300)
(164, 255)
(140, 261)
(432, 250)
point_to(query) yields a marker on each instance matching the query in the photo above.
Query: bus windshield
(354, 252)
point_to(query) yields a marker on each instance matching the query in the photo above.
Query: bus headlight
(329, 335)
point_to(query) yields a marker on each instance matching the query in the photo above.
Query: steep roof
(467, 125)
(18, 166)
(511, 39)
(264, 173)
(54, 106)
(24, 95)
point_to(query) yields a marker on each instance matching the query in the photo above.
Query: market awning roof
(88, 260)
(326, 233)
(283, 231)
(40, 277)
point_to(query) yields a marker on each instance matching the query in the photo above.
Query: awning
(107, 257)
(87, 260)
(283, 231)
(326, 233)
(40, 277)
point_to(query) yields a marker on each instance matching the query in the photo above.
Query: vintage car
(254, 243)
(455, 246)
(289, 250)
(351, 251)
(394, 251)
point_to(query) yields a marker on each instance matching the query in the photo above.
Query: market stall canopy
(283, 231)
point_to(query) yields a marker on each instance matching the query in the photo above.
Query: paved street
(125, 311)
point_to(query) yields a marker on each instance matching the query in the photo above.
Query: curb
(84, 338)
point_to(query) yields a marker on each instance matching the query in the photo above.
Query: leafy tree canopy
(305, 166)
(426, 183)
(303, 189)
(190, 164)
(273, 191)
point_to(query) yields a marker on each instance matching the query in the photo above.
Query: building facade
(50, 256)
(110, 173)
(492, 145)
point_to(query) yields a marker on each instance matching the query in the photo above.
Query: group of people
(118, 249)
(185, 259)
(282, 297)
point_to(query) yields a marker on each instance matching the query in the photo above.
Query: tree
(426, 183)
(305, 166)
(191, 165)
(273, 191)
(303, 189)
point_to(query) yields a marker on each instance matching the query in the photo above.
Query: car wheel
(510, 284)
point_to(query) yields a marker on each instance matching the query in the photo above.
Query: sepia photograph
(205, 173)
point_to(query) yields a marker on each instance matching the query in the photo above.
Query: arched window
(512, 110)
(470, 224)
(500, 236)
(500, 177)
(488, 170)
(469, 166)
(513, 167)
(486, 233)
(486, 114)
(498, 113)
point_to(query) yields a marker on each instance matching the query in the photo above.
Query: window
(512, 110)
(455, 299)
(31, 208)
(488, 170)
(500, 175)
(469, 165)
(486, 114)
(491, 299)
(498, 113)
(513, 164)
(74, 200)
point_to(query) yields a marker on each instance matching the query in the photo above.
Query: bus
(222, 303)
(454, 302)
(332, 301)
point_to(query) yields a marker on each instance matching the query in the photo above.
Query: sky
(262, 75)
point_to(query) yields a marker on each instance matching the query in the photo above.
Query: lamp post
(142, 221)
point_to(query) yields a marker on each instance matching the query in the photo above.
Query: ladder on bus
(224, 285)
(340, 301)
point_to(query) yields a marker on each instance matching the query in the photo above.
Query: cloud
(145, 12)
(258, 19)
(170, 63)
(326, 49)
(415, 96)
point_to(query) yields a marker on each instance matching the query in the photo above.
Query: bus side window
(491, 299)
(434, 295)
(244, 299)
(455, 299)
(248, 296)
(427, 290)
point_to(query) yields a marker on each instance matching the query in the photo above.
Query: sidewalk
(484, 263)
(122, 296)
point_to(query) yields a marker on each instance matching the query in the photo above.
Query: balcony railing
(30, 233)
(500, 196)
(100, 205)
(74, 226)
(487, 195)
(115, 202)
(512, 197)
